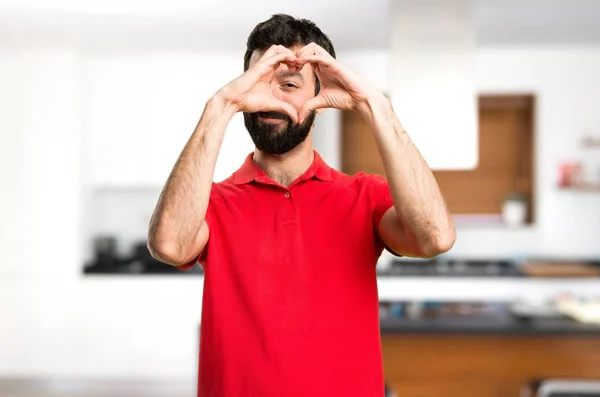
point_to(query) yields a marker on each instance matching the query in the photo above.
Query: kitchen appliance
(568, 388)
(105, 253)
(450, 268)
(530, 308)
(570, 174)
(584, 310)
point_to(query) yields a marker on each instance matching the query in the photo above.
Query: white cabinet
(39, 162)
(432, 79)
(105, 327)
(142, 109)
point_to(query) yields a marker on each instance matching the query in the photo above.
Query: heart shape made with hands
(340, 87)
(331, 94)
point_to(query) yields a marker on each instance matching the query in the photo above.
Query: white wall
(41, 161)
(55, 322)
(141, 109)
(567, 223)
(41, 207)
(566, 84)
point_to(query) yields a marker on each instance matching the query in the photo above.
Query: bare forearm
(418, 201)
(183, 202)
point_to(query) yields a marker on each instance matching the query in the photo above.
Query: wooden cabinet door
(505, 161)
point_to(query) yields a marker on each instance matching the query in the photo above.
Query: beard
(275, 138)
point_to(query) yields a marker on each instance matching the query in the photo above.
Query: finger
(318, 59)
(288, 57)
(275, 49)
(294, 66)
(275, 105)
(313, 49)
(307, 49)
(266, 66)
(315, 103)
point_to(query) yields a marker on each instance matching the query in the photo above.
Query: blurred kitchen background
(502, 97)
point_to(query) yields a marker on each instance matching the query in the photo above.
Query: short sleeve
(208, 218)
(380, 199)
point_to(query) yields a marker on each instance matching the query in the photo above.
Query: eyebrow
(287, 73)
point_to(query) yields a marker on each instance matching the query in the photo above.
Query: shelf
(591, 143)
(590, 187)
(485, 221)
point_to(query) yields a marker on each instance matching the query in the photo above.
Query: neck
(286, 168)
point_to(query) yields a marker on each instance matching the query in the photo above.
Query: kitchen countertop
(469, 268)
(425, 269)
(501, 324)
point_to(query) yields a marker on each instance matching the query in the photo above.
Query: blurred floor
(96, 388)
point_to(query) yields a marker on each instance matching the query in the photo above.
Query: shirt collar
(250, 171)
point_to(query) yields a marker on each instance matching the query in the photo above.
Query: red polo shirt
(290, 303)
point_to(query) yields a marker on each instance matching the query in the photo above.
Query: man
(289, 245)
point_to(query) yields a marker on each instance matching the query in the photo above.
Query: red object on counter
(570, 174)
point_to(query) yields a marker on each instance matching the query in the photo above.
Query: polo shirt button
(287, 194)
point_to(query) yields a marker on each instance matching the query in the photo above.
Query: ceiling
(115, 25)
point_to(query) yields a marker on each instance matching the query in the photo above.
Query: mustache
(275, 115)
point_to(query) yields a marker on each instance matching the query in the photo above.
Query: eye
(290, 85)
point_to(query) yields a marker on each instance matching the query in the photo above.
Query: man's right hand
(251, 92)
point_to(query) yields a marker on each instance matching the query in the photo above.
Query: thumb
(283, 107)
(315, 103)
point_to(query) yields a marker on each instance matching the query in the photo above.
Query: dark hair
(285, 30)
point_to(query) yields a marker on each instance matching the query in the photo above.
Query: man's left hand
(341, 88)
